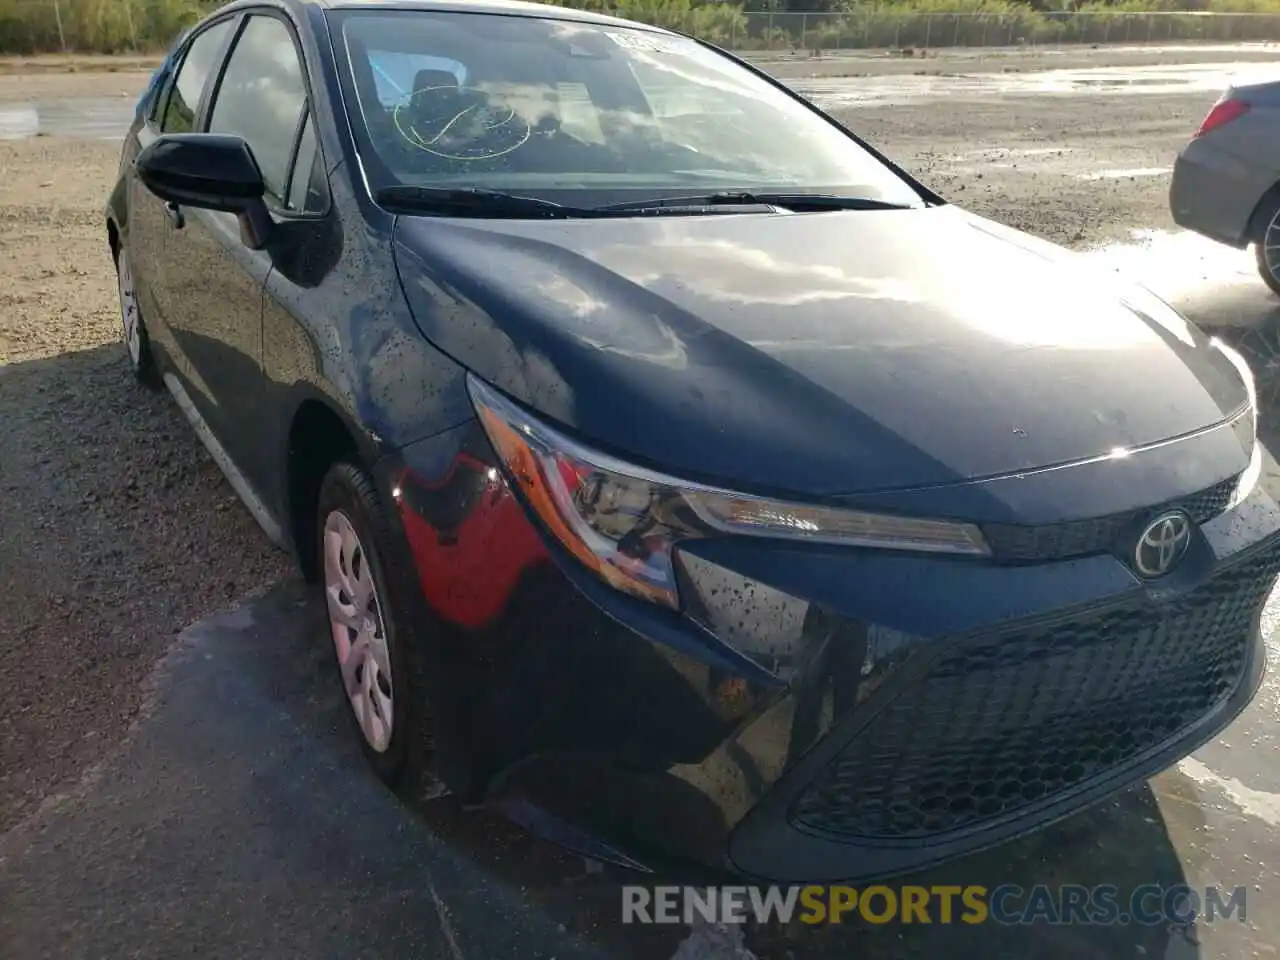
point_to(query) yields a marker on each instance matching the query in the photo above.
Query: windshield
(581, 113)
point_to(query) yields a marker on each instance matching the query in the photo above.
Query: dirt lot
(116, 529)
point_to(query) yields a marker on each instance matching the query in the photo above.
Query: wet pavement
(240, 819)
(109, 117)
(89, 118)
(834, 92)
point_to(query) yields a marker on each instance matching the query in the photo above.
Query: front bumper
(817, 714)
(993, 735)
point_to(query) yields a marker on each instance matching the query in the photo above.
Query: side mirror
(209, 171)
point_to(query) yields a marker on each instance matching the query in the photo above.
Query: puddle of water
(91, 118)
(832, 92)
(1184, 48)
(1117, 81)
(1056, 161)
(1177, 262)
(18, 122)
(1214, 286)
(1000, 153)
(1062, 161)
(1255, 803)
(1123, 174)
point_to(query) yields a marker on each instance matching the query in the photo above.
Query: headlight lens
(623, 521)
(1247, 425)
(1246, 374)
(1248, 480)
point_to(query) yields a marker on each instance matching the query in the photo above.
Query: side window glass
(261, 98)
(306, 185)
(184, 95)
(157, 94)
(162, 98)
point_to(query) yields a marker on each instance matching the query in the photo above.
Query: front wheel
(142, 361)
(380, 666)
(1266, 251)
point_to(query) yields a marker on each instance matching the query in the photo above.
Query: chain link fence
(115, 26)
(879, 28)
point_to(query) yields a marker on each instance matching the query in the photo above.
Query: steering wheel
(460, 123)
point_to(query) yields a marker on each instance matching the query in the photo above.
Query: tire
(142, 361)
(349, 504)
(1267, 220)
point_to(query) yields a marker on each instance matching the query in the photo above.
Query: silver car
(1226, 180)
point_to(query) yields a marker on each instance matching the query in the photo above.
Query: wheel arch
(117, 217)
(1257, 219)
(318, 437)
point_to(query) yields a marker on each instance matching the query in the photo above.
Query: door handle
(175, 215)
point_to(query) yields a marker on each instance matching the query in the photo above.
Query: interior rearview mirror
(208, 171)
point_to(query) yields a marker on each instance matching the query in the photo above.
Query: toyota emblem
(1162, 544)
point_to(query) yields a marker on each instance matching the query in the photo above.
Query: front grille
(1014, 543)
(1000, 724)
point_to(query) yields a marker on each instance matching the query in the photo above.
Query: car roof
(510, 8)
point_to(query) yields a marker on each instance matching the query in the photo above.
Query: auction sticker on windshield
(643, 42)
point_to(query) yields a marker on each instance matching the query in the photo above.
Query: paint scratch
(445, 926)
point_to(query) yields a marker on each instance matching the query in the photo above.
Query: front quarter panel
(336, 328)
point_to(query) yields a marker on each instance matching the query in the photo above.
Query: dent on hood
(562, 293)
(473, 335)
(841, 338)
(729, 271)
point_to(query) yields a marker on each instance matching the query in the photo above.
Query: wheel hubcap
(129, 309)
(1271, 246)
(359, 637)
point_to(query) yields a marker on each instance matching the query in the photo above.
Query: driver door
(262, 98)
(156, 260)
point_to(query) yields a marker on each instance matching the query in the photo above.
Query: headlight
(623, 521)
(1248, 480)
(1246, 375)
(1246, 425)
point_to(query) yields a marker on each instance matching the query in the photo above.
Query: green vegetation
(952, 23)
(115, 26)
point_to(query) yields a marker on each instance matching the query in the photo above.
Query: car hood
(824, 354)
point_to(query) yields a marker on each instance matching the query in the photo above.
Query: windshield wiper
(475, 202)
(788, 201)
(479, 202)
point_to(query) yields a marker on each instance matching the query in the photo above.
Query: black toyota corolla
(682, 477)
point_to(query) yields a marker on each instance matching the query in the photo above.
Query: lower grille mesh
(1000, 724)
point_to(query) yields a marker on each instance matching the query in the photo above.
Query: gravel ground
(1121, 133)
(945, 60)
(116, 529)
